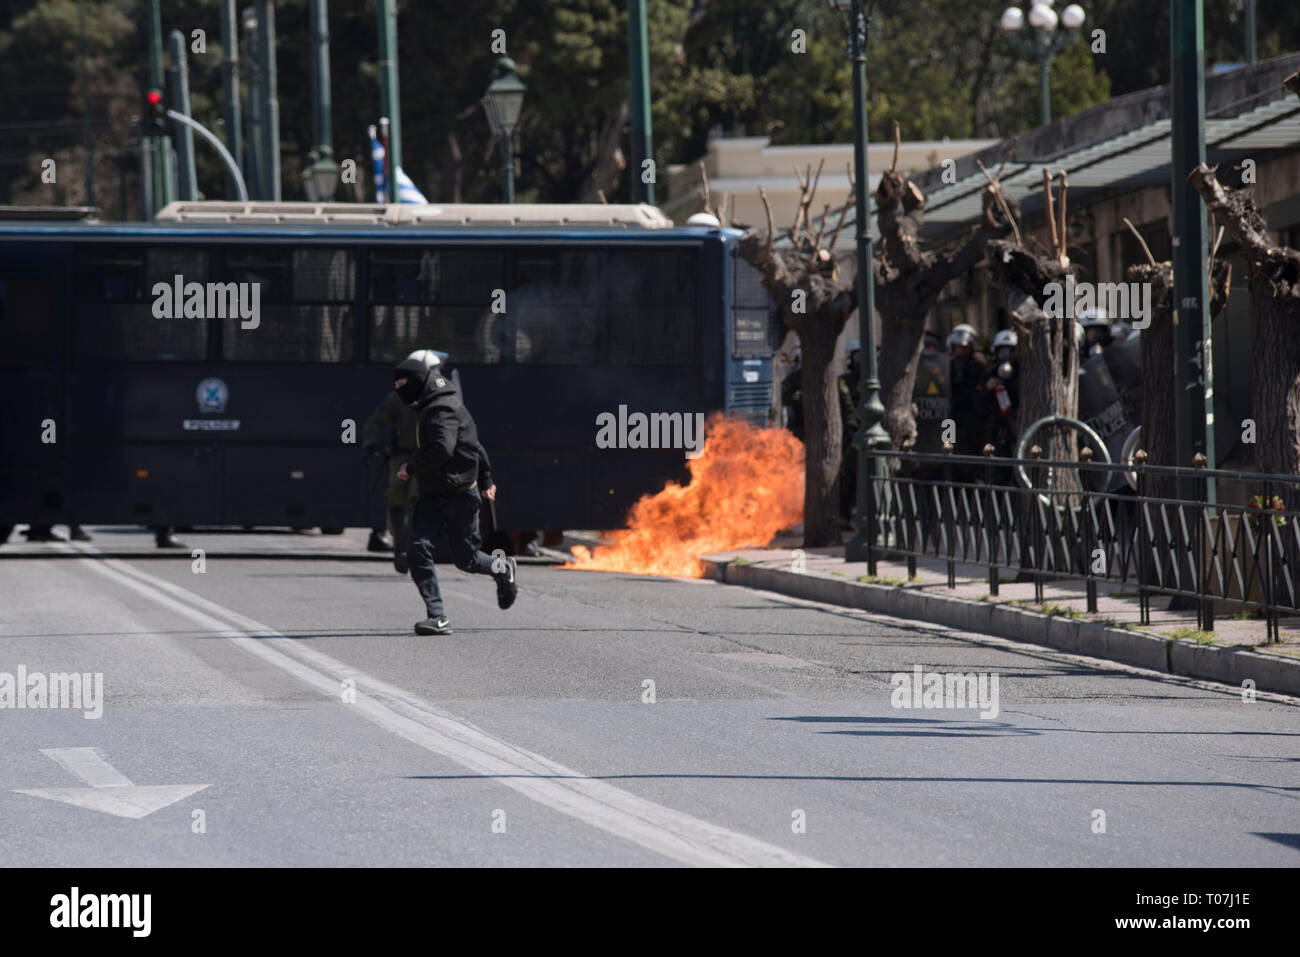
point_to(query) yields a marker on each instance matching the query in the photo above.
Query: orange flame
(746, 485)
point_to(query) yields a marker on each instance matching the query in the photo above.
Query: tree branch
(1145, 248)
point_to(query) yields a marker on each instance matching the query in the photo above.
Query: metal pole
(322, 125)
(1044, 88)
(1194, 407)
(1252, 54)
(230, 84)
(164, 182)
(639, 100)
(146, 175)
(507, 168)
(270, 102)
(389, 95)
(178, 79)
(253, 158)
(85, 108)
(871, 434)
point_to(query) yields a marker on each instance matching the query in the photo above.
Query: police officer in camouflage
(390, 432)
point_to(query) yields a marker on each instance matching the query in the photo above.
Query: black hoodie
(448, 456)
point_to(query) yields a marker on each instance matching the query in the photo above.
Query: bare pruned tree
(814, 301)
(1049, 356)
(909, 281)
(1275, 291)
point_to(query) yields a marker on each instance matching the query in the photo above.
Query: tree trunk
(822, 434)
(1049, 355)
(909, 281)
(1159, 440)
(900, 349)
(1275, 290)
(813, 303)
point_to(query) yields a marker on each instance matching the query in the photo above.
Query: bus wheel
(331, 531)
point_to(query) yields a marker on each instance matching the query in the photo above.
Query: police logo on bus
(212, 395)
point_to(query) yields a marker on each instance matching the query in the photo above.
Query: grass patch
(1194, 634)
(1059, 611)
(740, 560)
(1248, 614)
(882, 580)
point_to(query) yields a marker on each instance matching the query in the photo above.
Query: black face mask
(410, 390)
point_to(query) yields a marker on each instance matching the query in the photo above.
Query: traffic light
(156, 111)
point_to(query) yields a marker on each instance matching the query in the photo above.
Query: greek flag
(377, 155)
(407, 191)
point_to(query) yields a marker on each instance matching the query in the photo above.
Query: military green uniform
(392, 427)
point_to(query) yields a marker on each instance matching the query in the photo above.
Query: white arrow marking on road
(110, 791)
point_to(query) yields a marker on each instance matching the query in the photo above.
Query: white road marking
(110, 791)
(88, 765)
(672, 833)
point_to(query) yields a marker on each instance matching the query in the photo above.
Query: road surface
(277, 710)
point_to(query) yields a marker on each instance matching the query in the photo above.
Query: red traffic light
(154, 97)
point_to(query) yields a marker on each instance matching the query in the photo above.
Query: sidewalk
(1234, 652)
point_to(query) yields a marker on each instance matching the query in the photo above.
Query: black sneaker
(78, 534)
(399, 561)
(379, 542)
(506, 587)
(433, 626)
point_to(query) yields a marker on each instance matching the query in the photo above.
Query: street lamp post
(321, 176)
(503, 103)
(1048, 34)
(871, 434)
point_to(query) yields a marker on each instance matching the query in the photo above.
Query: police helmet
(1094, 318)
(1006, 337)
(431, 358)
(416, 369)
(961, 335)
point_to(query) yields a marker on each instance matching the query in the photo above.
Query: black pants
(456, 515)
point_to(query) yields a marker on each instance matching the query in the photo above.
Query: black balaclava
(416, 373)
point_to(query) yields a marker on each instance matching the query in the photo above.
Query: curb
(1227, 665)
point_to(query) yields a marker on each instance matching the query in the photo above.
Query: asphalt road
(277, 710)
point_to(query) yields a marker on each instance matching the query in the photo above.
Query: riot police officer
(966, 366)
(390, 433)
(1002, 394)
(1096, 332)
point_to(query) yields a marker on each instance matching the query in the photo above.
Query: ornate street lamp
(871, 434)
(503, 103)
(1047, 35)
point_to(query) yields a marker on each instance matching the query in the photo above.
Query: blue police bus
(216, 366)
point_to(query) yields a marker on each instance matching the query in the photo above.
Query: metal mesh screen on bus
(114, 290)
(129, 331)
(470, 334)
(555, 307)
(300, 333)
(651, 307)
(437, 299)
(306, 298)
(754, 328)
